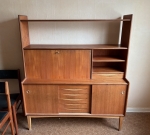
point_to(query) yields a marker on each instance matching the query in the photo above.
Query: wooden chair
(6, 116)
(16, 98)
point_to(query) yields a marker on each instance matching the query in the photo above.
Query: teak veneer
(86, 80)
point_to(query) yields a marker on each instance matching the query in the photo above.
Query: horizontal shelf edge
(81, 82)
(73, 46)
(42, 115)
(66, 20)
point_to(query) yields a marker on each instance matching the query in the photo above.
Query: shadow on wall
(10, 46)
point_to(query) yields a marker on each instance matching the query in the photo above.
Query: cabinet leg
(29, 122)
(120, 122)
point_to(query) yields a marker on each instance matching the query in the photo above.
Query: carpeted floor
(133, 124)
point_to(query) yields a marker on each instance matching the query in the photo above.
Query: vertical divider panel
(125, 39)
(91, 64)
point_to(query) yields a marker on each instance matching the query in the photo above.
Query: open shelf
(105, 70)
(107, 59)
(72, 46)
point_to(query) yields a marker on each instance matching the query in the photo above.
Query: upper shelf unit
(125, 32)
(106, 58)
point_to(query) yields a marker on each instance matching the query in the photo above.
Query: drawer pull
(72, 89)
(57, 52)
(28, 91)
(72, 99)
(73, 94)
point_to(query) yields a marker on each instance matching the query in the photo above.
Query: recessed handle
(57, 52)
(28, 91)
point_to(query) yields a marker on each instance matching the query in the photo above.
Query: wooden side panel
(24, 30)
(108, 99)
(126, 28)
(125, 40)
(40, 98)
(58, 64)
(24, 34)
(74, 98)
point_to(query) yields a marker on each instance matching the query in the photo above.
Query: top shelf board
(72, 46)
(66, 20)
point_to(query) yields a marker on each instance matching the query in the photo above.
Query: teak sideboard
(75, 80)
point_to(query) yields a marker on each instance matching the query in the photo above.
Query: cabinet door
(40, 99)
(58, 64)
(108, 99)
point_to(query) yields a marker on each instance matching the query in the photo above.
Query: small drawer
(73, 96)
(107, 76)
(75, 106)
(65, 110)
(73, 101)
(74, 89)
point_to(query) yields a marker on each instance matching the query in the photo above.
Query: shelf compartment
(105, 70)
(74, 46)
(109, 55)
(107, 59)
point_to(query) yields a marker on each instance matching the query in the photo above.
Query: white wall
(138, 72)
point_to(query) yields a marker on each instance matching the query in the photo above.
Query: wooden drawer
(74, 108)
(107, 76)
(74, 99)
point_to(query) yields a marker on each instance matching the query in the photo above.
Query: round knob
(57, 52)
(28, 91)
(122, 92)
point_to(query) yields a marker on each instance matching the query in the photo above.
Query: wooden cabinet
(109, 99)
(86, 80)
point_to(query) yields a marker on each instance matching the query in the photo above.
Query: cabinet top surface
(90, 81)
(73, 46)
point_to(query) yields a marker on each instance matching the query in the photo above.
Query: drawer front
(74, 99)
(107, 76)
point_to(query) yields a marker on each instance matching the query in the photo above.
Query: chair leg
(15, 118)
(120, 122)
(12, 126)
(29, 122)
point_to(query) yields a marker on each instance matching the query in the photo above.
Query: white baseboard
(138, 109)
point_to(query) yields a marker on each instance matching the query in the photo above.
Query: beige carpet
(133, 124)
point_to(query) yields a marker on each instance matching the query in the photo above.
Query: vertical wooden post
(29, 122)
(120, 122)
